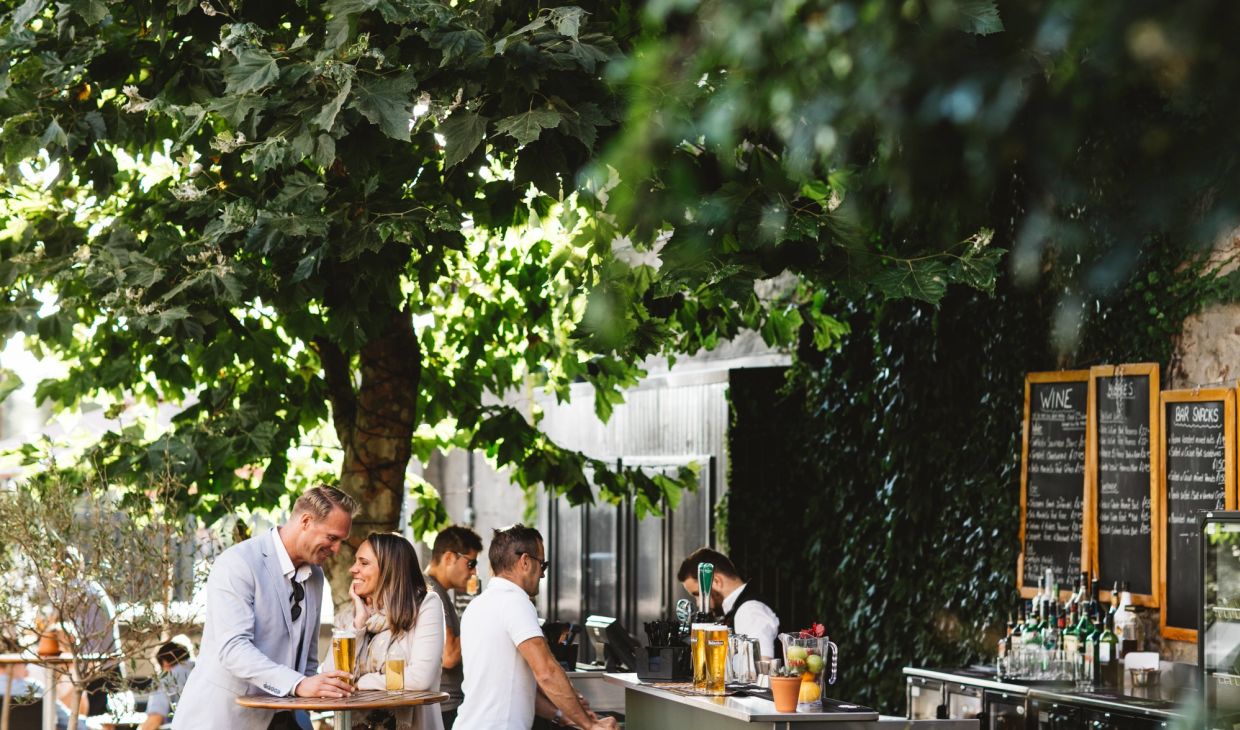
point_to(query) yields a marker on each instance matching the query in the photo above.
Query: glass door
(1219, 644)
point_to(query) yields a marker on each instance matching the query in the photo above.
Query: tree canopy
(368, 211)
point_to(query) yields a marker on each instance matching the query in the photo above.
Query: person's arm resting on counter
(553, 682)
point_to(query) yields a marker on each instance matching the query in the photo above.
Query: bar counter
(651, 708)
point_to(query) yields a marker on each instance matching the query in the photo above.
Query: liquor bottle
(1127, 626)
(1114, 598)
(1095, 607)
(1095, 672)
(1108, 656)
(1033, 627)
(1072, 634)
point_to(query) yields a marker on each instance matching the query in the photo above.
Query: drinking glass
(716, 658)
(344, 649)
(394, 668)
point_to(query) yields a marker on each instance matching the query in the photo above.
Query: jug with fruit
(806, 652)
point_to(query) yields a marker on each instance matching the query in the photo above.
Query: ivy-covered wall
(875, 488)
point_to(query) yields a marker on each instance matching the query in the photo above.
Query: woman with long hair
(395, 616)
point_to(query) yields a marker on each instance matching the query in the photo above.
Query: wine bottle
(1108, 656)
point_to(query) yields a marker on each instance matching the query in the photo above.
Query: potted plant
(785, 688)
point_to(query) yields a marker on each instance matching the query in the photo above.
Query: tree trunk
(375, 424)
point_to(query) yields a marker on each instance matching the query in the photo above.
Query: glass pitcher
(810, 656)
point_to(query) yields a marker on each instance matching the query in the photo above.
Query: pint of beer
(394, 672)
(697, 643)
(716, 657)
(344, 649)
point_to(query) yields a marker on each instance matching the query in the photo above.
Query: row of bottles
(1079, 640)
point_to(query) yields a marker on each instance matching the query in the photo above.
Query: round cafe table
(370, 699)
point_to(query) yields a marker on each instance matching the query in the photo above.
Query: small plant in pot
(785, 688)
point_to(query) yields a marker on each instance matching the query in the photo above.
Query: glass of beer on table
(394, 668)
(344, 649)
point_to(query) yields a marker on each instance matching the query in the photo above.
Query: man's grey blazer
(248, 642)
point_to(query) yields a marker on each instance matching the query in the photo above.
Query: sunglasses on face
(543, 563)
(470, 563)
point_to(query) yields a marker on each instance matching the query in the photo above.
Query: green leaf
(582, 123)
(978, 270)
(327, 116)
(255, 69)
(980, 17)
(237, 107)
(9, 382)
(26, 12)
(537, 23)
(54, 134)
(462, 133)
(567, 20)
(92, 11)
(459, 43)
(342, 12)
(925, 280)
(266, 155)
(386, 102)
(526, 128)
(169, 316)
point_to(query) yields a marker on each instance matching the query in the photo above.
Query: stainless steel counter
(651, 708)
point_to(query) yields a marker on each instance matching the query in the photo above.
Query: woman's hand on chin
(361, 611)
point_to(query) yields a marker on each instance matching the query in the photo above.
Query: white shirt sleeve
(756, 619)
(522, 623)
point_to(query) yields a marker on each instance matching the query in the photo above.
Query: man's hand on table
(606, 723)
(333, 683)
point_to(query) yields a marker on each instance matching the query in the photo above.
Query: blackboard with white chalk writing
(1122, 514)
(1053, 477)
(1197, 475)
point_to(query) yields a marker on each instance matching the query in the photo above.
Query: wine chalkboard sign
(1122, 514)
(1052, 477)
(1197, 474)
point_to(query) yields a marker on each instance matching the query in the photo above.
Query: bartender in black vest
(743, 610)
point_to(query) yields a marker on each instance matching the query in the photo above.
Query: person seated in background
(174, 669)
(14, 678)
(396, 617)
(743, 610)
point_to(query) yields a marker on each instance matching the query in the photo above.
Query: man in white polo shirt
(508, 663)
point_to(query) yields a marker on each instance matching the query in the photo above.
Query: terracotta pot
(48, 645)
(785, 690)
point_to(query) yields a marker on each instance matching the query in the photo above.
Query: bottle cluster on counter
(1080, 640)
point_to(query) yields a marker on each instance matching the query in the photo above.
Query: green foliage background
(892, 464)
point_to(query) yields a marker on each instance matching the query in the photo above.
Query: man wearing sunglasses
(454, 560)
(262, 624)
(510, 672)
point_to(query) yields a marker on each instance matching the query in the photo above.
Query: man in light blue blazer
(262, 625)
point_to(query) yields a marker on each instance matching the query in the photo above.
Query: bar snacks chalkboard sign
(1121, 510)
(1197, 454)
(1052, 477)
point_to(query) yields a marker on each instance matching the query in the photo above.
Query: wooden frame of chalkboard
(1041, 383)
(1217, 406)
(1132, 430)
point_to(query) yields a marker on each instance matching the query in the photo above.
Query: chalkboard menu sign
(1197, 454)
(1122, 514)
(1052, 477)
